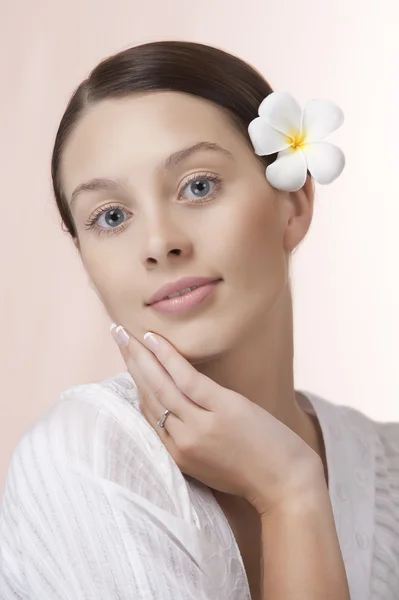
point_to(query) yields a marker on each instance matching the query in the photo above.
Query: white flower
(283, 127)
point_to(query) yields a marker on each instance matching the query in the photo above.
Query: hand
(215, 435)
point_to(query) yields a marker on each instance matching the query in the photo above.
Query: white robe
(95, 508)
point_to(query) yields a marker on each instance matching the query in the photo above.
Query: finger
(159, 381)
(148, 402)
(196, 386)
(153, 410)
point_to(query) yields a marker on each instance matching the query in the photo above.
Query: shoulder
(90, 488)
(356, 422)
(363, 456)
(97, 430)
(355, 439)
(383, 435)
(68, 428)
(382, 438)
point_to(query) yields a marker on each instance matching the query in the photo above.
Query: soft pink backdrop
(55, 332)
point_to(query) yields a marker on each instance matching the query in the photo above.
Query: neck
(261, 369)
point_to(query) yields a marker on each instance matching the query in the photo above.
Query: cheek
(251, 241)
(108, 276)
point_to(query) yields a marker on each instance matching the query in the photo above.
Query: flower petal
(288, 172)
(265, 139)
(282, 112)
(320, 118)
(325, 161)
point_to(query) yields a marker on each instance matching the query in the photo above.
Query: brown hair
(179, 66)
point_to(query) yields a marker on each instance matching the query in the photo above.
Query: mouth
(183, 292)
(186, 299)
(179, 288)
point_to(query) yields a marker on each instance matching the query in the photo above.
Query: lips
(178, 286)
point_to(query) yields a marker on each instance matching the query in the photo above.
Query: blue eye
(201, 187)
(112, 214)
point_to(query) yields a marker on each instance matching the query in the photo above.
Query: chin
(203, 347)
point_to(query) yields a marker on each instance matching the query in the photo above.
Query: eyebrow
(104, 183)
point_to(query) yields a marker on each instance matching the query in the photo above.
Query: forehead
(137, 132)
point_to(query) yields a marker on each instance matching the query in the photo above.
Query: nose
(164, 240)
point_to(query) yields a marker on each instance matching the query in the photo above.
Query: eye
(108, 219)
(112, 214)
(201, 187)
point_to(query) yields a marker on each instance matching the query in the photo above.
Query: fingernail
(119, 334)
(151, 341)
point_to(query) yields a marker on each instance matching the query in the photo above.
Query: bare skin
(246, 525)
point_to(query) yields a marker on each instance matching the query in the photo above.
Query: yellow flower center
(297, 141)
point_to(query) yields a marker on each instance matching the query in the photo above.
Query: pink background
(55, 332)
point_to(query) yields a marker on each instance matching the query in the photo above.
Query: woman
(200, 472)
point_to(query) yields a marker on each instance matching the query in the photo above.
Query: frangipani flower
(283, 127)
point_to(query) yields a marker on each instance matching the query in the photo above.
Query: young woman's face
(210, 214)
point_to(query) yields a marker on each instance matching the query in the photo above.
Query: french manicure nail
(151, 341)
(119, 334)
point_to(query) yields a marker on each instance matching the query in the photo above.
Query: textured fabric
(96, 508)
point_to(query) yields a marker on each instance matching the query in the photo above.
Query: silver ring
(162, 420)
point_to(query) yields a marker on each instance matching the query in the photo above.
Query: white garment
(95, 508)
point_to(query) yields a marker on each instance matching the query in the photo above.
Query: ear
(298, 214)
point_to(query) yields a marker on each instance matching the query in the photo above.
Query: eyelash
(92, 222)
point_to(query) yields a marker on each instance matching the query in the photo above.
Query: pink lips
(178, 286)
(186, 302)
